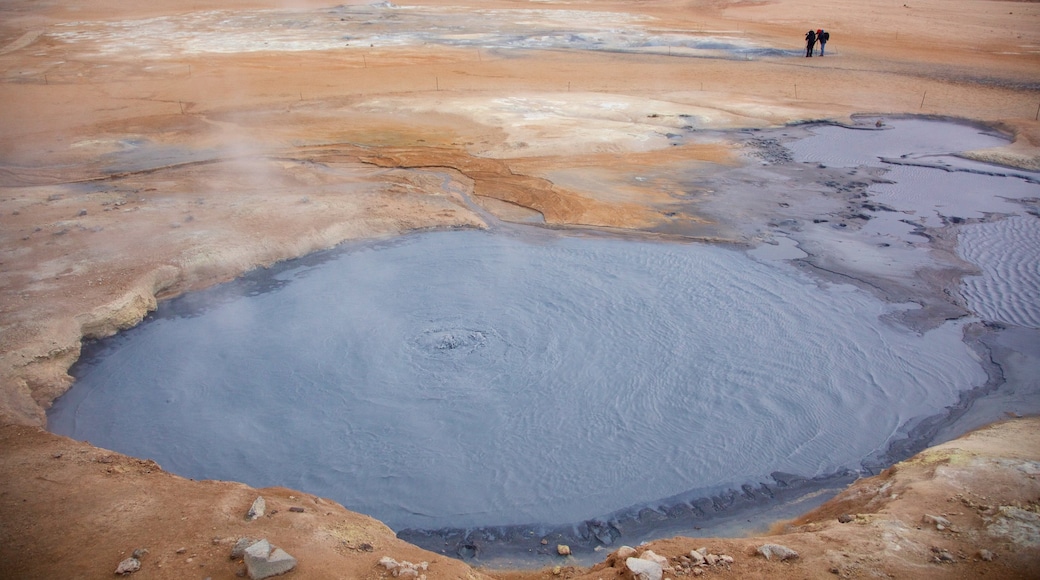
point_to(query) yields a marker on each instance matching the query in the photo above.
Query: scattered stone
(697, 571)
(563, 549)
(181, 550)
(264, 560)
(82, 213)
(939, 522)
(726, 559)
(625, 552)
(942, 556)
(239, 549)
(650, 556)
(696, 557)
(781, 553)
(365, 547)
(644, 569)
(297, 510)
(257, 509)
(845, 518)
(128, 566)
(711, 559)
(986, 555)
(139, 553)
(404, 569)
(545, 542)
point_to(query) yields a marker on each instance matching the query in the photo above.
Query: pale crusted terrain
(129, 174)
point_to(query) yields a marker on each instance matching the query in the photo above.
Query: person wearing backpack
(810, 42)
(822, 36)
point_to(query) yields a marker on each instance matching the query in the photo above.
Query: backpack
(825, 36)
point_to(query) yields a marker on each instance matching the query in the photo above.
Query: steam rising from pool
(473, 378)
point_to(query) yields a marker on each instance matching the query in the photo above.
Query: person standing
(822, 36)
(810, 42)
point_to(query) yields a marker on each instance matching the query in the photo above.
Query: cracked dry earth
(133, 170)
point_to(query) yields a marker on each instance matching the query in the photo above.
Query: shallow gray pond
(468, 378)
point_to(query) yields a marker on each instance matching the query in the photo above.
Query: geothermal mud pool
(519, 382)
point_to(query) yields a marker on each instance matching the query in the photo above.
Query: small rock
(653, 557)
(942, 556)
(986, 555)
(644, 569)
(139, 553)
(128, 566)
(404, 569)
(545, 542)
(939, 522)
(257, 509)
(297, 510)
(697, 571)
(625, 552)
(711, 559)
(239, 549)
(264, 560)
(845, 518)
(696, 557)
(563, 549)
(725, 559)
(776, 550)
(181, 550)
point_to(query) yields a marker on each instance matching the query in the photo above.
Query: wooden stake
(796, 90)
(922, 99)
(364, 60)
(437, 80)
(1037, 117)
(182, 106)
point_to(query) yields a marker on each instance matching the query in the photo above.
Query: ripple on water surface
(468, 378)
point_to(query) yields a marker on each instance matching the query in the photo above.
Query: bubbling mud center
(477, 389)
